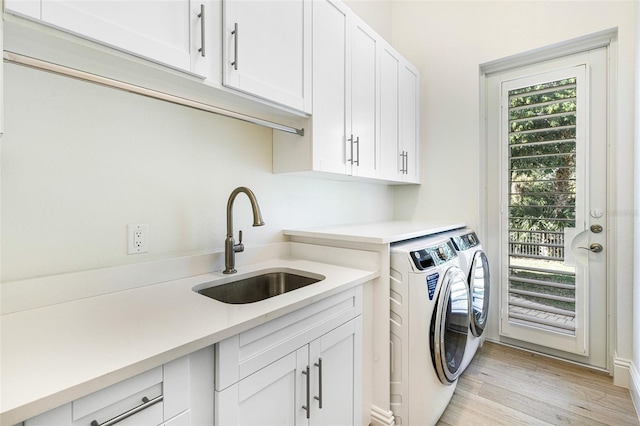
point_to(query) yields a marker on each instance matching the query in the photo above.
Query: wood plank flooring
(506, 386)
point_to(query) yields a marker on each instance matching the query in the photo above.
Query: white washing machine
(429, 326)
(475, 266)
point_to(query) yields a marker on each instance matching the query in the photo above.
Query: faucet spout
(230, 246)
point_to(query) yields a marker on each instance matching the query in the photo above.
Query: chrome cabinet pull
(308, 406)
(319, 397)
(357, 142)
(406, 162)
(146, 403)
(350, 140)
(202, 37)
(235, 46)
(404, 167)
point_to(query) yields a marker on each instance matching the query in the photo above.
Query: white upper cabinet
(330, 87)
(399, 119)
(363, 137)
(168, 32)
(267, 50)
(390, 159)
(344, 133)
(409, 130)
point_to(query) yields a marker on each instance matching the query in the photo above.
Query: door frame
(489, 233)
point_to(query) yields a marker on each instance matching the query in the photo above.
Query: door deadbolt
(594, 248)
(596, 229)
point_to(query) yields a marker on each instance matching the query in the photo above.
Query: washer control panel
(466, 241)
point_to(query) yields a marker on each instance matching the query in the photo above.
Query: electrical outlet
(138, 238)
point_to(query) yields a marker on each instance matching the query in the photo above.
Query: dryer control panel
(433, 256)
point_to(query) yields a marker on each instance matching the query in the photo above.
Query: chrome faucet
(230, 246)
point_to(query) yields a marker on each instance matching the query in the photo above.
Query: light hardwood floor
(506, 386)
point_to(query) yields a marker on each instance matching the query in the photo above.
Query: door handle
(594, 248)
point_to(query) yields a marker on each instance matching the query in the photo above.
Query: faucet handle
(237, 248)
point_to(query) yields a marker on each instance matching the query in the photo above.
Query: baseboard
(381, 417)
(634, 389)
(621, 372)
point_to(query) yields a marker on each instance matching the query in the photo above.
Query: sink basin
(258, 287)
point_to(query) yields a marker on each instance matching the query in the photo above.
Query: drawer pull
(146, 403)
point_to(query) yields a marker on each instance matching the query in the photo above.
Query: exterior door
(553, 201)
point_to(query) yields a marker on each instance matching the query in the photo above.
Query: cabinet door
(362, 151)
(154, 29)
(330, 85)
(390, 159)
(336, 376)
(267, 50)
(271, 396)
(409, 122)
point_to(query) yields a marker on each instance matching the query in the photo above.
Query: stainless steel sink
(259, 287)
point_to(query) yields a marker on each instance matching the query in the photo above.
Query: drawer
(148, 399)
(119, 398)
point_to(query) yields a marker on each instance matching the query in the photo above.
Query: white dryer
(429, 326)
(474, 264)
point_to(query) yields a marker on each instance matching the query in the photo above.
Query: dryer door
(479, 283)
(450, 325)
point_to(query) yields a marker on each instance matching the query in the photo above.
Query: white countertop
(55, 354)
(376, 233)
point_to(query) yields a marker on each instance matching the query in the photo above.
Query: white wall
(376, 13)
(80, 162)
(448, 40)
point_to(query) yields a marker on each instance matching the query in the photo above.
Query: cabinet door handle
(202, 37)
(404, 155)
(406, 162)
(319, 397)
(357, 142)
(146, 403)
(306, 407)
(235, 46)
(350, 140)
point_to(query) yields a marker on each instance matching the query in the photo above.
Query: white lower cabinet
(173, 394)
(317, 381)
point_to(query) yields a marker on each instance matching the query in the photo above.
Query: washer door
(479, 282)
(450, 325)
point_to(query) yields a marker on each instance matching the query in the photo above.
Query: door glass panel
(542, 203)
(451, 326)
